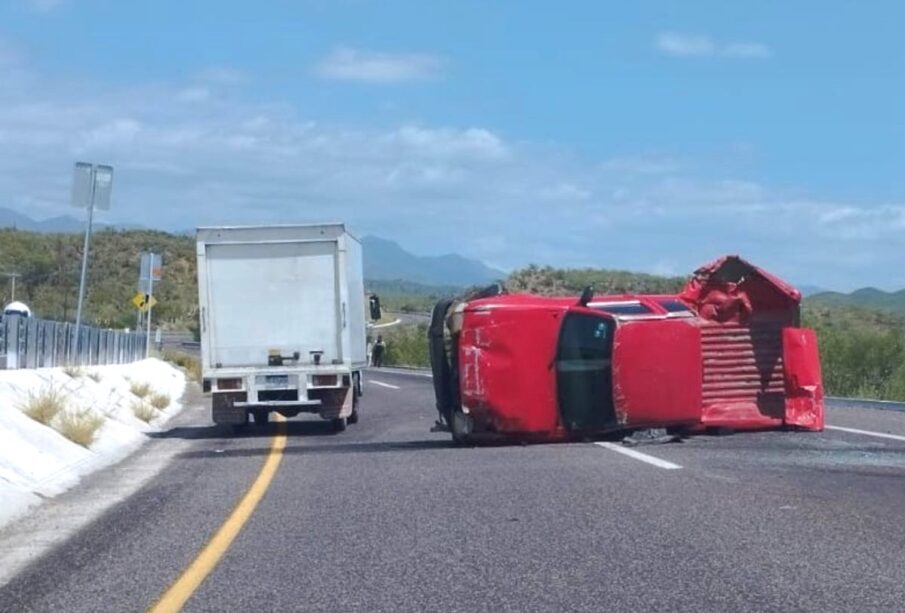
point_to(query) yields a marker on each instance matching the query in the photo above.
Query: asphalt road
(390, 517)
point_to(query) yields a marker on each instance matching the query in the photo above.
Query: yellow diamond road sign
(143, 302)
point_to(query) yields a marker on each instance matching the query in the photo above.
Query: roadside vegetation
(159, 401)
(50, 408)
(80, 426)
(862, 351)
(141, 390)
(190, 364)
(44, 405)
(73, 372)
(144, 411)
(406, 346)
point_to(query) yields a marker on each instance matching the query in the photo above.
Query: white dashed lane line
(637, 455)
(382, 384)
(894, 437)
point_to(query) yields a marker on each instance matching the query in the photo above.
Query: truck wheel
(460, 427)
(261, 417)
(353, 418)
(339, 424)
(240, 429)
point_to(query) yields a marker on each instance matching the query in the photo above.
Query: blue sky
(652, 135)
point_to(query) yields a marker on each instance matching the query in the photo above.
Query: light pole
(91, 187)
(12, 276)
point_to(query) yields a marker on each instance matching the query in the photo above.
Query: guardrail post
(12, 341)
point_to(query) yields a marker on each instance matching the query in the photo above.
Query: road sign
(144, 302)
(92, 185)
(151, 268)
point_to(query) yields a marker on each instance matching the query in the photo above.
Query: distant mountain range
(384, 260)
(868, 297)
(63, 223)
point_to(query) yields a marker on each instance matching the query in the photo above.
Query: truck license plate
(276, 381)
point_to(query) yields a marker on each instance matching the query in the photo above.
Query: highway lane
(388, 516)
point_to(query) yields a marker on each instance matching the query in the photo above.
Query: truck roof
(333, 229)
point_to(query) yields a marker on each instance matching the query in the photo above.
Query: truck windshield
(584, 371)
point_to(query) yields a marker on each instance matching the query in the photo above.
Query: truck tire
(339, 424)
(460, 427)
(356, 394)
(261, 417)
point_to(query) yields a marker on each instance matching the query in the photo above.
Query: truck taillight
(323, 380)
(232, 383)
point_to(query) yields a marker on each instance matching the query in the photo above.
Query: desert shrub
(159, 401)
(44, 405)
(142, 390)
(190, 364)
(144, 411)
(80, 427)
(74, 372)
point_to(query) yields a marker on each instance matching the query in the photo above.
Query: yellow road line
(192, 577)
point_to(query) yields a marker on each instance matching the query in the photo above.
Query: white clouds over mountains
(197, 152)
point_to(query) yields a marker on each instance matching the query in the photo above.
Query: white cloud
(347, 64)
(470, 143)
(696, 45)
(435, 188)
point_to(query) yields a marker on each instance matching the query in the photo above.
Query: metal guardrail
(864, 403)
(29, 342)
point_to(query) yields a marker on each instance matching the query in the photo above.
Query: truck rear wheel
(261, 417)
(356, 394)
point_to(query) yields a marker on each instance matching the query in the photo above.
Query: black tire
(353, 418)
(339, 424)
(261, 417)
(240, 429)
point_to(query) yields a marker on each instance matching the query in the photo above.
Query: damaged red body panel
(727, 351)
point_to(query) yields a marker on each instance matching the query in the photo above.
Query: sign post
(91, 188)
(150, 271)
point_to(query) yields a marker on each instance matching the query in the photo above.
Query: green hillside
(49, 265)
(867, 297)
(557, 281)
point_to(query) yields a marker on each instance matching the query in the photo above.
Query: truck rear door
(272, 296)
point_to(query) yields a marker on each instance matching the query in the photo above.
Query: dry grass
(144, 411)
(44, 405)
(188, 363)
(159, 401)
(80, 427)
(75, 372)
(142, 390)
(95, 376)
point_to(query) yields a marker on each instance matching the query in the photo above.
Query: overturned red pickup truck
(726, 352)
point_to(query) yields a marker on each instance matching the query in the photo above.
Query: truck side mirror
(374, 302)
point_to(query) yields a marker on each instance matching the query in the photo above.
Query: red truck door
(657, 373)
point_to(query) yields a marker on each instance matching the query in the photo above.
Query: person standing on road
(377, 352)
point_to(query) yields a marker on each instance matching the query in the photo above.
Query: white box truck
(283, 325)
